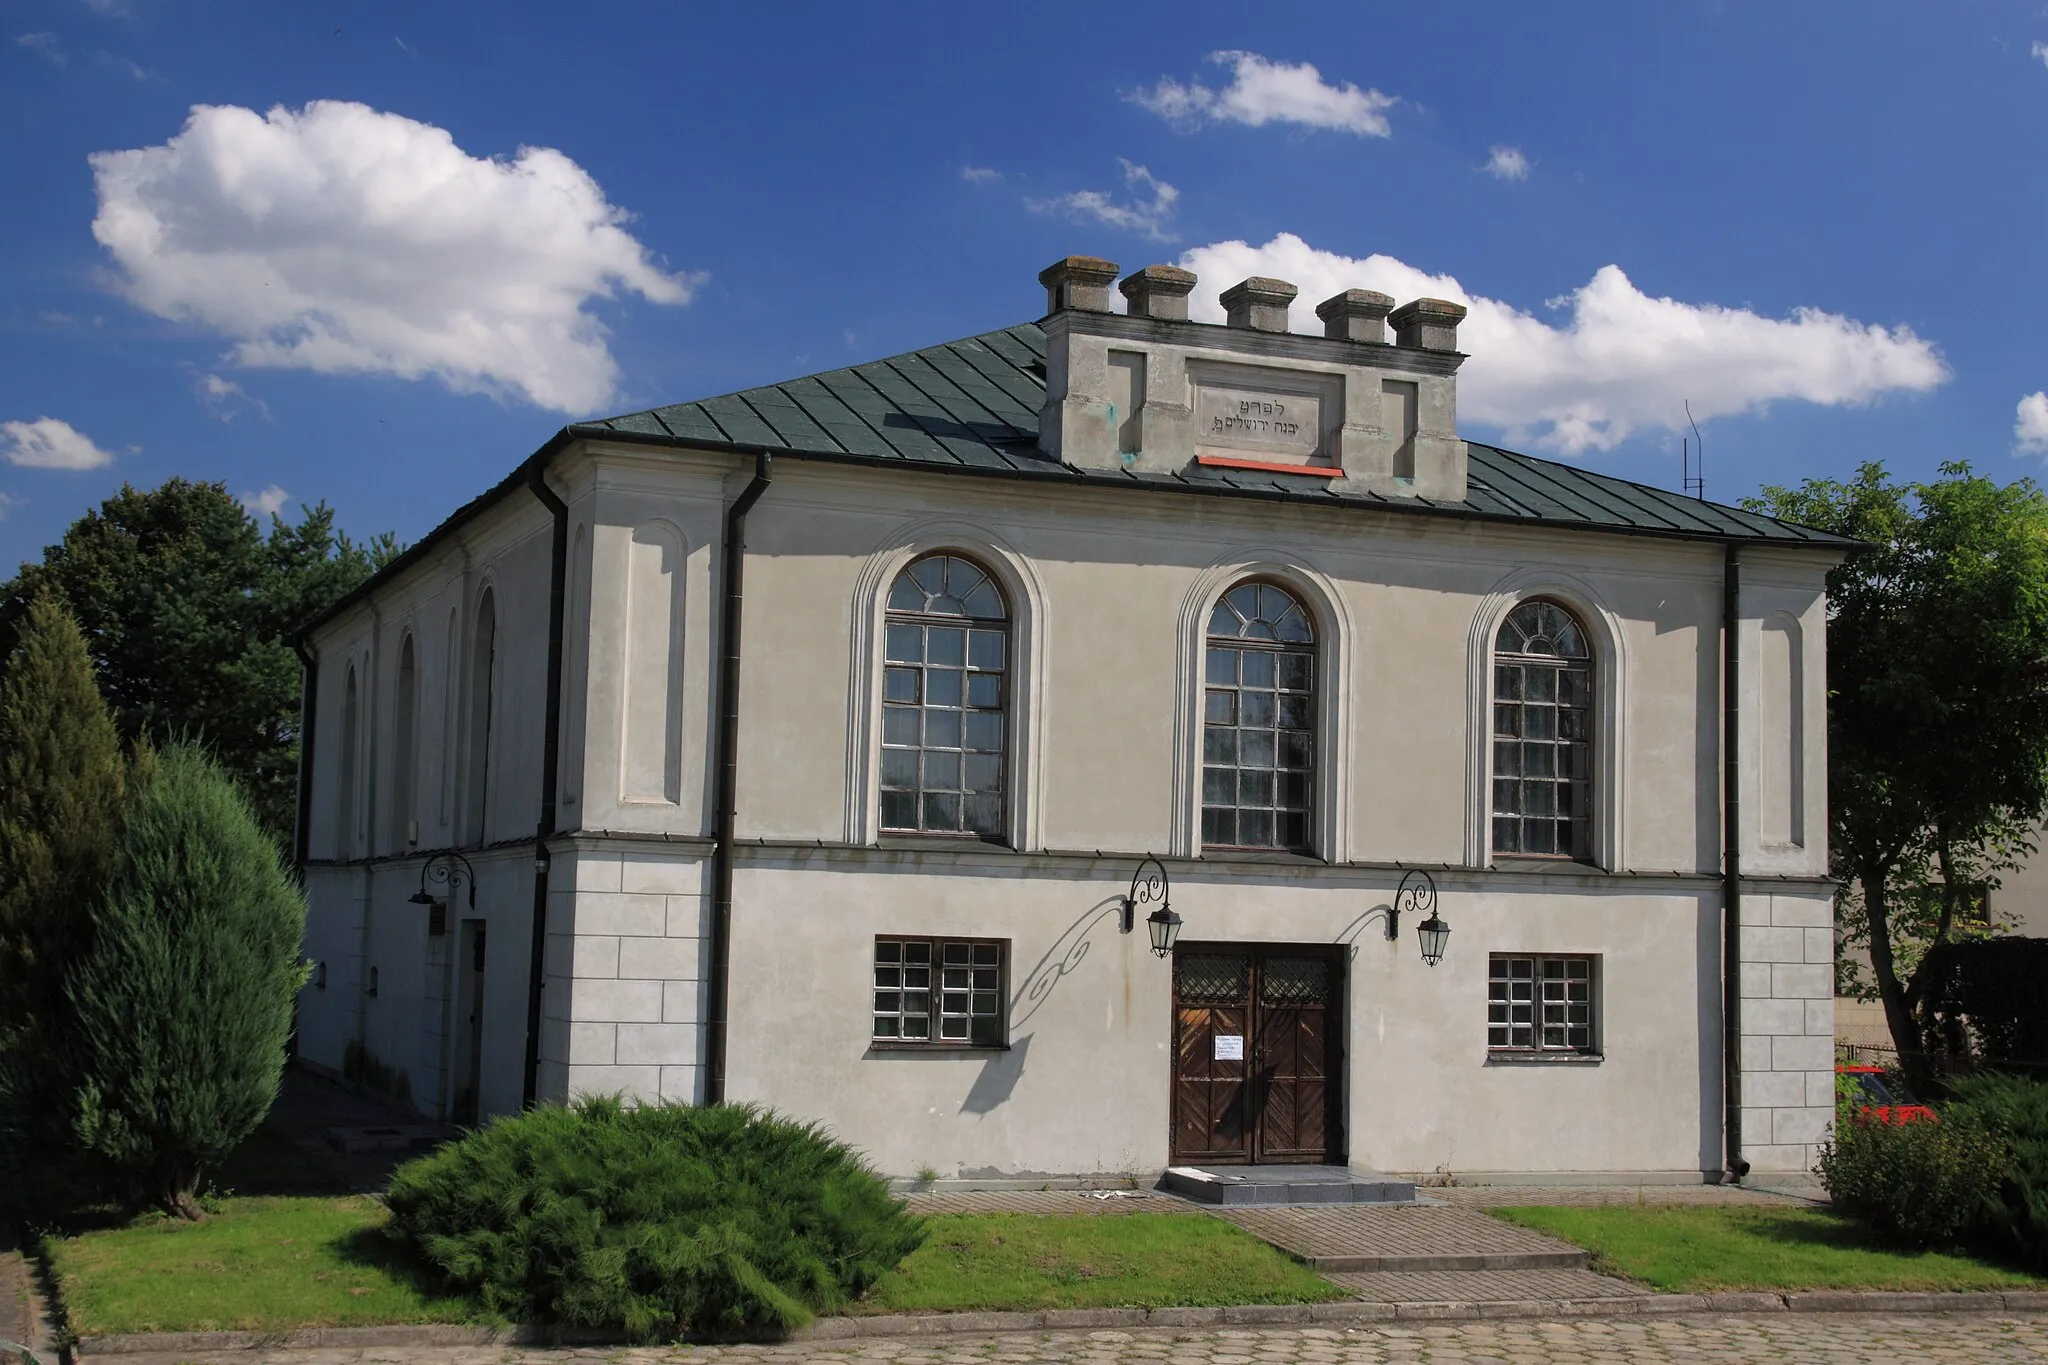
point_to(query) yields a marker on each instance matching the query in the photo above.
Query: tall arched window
(945, 700)
(1542, 734)
(404, 806)
(1259, 726)
(345, 796)
(482, 660)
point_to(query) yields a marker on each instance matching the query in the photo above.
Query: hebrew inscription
(1268, 422)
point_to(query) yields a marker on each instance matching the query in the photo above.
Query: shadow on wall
(1348, 936)
(999, 1076)
(1061, 960)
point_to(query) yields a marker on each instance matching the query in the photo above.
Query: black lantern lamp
(1148, 885)
(443, 869)
(1417, 895)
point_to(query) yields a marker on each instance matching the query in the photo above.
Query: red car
(1875, 1100)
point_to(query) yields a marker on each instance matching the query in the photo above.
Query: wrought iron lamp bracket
(1150, 886)
(451, 870)
(1416, 894)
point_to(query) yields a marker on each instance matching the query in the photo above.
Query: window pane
(985, 731)
(899, 725)
(1223, 666)
(1255, 828)
(1219, 786)
(1219, 745)
(1219, 707)
(985, 690)
(899, 684)
(942, 686)
(1258, 708)
(984, 814)
(1219, 827)
(946, 645)
(942, 729)
(1256, 748)
(906, 644)
(942, 810)
(899, 809)
(1296, 671)
(984, 773)
(1294, 712)
(942, 771)
(899, 767)
(1258, 668)
(985, 649)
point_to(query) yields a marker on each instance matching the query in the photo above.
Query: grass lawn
(1694, 1249)
(262, 1264)
(1140, 1260)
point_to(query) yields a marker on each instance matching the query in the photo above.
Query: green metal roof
(971, 406)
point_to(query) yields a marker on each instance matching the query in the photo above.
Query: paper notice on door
(1230, 1047)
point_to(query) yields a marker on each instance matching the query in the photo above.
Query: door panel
(1212, 1000)
(1294, 1056)
(1278, 1100)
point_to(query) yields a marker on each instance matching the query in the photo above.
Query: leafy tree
(1938, 713)
(179, 1008)
(187, 608)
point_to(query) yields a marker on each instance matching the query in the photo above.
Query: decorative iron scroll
(1415, 895)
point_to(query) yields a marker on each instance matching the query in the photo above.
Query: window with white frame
(1542, 1004)
(945, 992)
(945, 700)
(1258, 721)
(1542, 735)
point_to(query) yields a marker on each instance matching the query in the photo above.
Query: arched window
(1259, 727)
(482, 660)
(345, 797)
(404, 807)
(1542, 734)
(945, 700)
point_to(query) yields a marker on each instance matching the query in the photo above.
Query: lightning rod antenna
(1694, 458)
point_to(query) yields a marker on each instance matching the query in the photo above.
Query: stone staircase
(1284, 1186)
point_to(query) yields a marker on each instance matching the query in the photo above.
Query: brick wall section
(1788, 1027)
(625, 981)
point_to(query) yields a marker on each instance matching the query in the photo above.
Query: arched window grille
(945, 700)
(1542, 734)
(1259, 728)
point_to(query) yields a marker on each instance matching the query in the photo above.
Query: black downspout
(550, 770)
(732, 576)
(1731, 858)
(309, 701)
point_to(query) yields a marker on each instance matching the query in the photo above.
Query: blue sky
(344, 279)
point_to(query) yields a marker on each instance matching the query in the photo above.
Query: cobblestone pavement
(1764, 1339)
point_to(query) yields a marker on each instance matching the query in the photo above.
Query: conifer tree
(60, 801)
(180, 1007)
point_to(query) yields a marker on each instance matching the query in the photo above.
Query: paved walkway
(1774, 1339)
(1361, 1237)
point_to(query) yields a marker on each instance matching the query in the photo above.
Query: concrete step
(1285, 1186)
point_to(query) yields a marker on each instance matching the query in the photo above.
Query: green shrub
(180, 1006)
(1913, 1184)
(2016, 1213)
(656, 1221)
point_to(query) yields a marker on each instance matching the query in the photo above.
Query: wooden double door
(1257, 1070)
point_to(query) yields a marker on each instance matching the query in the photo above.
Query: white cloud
(2030, 423)
(44, 45)
(48, 443)
(106, 8)
(1619, 362)
(344, 240)
(2040, 52)
(979, 175)
(6, 503)
(1263, 91)
(226, 399)
(1148, 217)
(266, 504)
(1506, 163)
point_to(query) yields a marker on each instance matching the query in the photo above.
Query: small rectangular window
(940, 992)
(1541, 1004)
